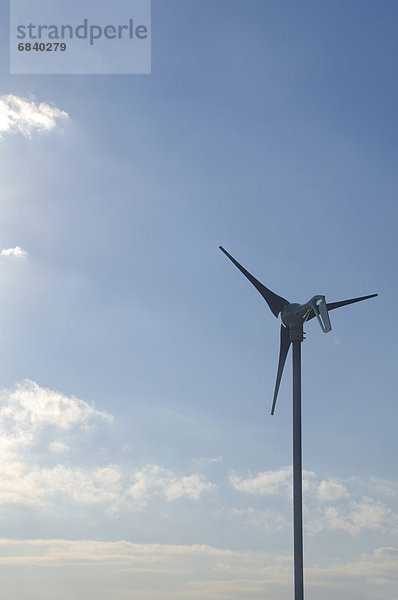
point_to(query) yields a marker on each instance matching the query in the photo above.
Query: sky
(138, 455)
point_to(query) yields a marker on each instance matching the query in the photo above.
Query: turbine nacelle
(294, 315)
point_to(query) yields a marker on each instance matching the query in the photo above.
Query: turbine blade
(333, 305)
(275, 302)
(284, 349)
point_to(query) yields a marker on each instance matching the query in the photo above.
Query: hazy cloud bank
(153, 571)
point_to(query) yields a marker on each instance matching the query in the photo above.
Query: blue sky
(140, 458)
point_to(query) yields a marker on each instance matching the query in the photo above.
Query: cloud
(110, 485)
(329, 504)
(38, 407)
(18, 115)
(331, 490)
(269, 483)
(41, 487)
(32, 418)
(355, 516)
(49, 461)
(191, 487)
(29, 408)
(155, 481)
(80, 486)
(382, 487)
(29, 413)
(58, 446)
(16, 252)
(121, 569)
(265, 484)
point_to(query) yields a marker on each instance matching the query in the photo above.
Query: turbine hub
(294, 316)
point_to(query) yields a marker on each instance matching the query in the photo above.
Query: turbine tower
(293, 317)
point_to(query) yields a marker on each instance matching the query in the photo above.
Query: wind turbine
(293, 317)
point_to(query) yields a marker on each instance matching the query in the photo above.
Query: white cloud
(269, 483)
(26, 413)
(81, 486)
(153, 481)
(31, 485)
(18, 115)
(141, 484)
(331, 490)
(191, 487)
(368, 514)
(266, 483)
(32, 405)
(16, 252)
(383, 487)
(58, 446)
(376, 485)
(329, 505)
(29, 408)
(353, 516)
(31, 415)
